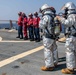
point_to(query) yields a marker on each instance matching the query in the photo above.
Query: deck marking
(12, 30)
(0, 38)
(13, 41)
(16, 57)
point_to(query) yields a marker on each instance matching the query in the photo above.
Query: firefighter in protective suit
(70, 22)
(49, 42)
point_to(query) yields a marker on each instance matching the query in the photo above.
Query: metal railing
(10, 24)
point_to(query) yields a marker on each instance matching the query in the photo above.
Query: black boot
(38, 40)
(18, 37)
(21, 37)
(25, 38)
(31, 39)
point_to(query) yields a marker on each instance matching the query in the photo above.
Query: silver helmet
(69, 5)
(45, 6)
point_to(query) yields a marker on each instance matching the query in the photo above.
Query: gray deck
(28, 65)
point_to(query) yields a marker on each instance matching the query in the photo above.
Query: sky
(9, 8)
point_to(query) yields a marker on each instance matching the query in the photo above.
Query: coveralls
(36, 28)
(30, 28)
(25, 27)
(20, 27)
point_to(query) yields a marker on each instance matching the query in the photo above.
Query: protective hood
(45, 6)
(69, 5)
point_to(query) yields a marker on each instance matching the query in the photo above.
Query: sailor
(20, 25)
(36, 26)
(30, 27)
(25, 26)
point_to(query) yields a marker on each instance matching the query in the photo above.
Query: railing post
(11, 25)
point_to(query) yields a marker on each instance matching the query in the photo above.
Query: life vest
(25, 21)
(30, 21)
(20, 21)
(36, 22)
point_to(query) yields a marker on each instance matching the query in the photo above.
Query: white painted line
(16, 57)
(13, 41)
(0, 38)
(12, 30)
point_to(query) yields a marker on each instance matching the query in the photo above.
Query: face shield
(63, 7)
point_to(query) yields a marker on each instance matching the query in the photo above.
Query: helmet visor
(63, 7)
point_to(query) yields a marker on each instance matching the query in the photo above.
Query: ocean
(7, 26)
(15, 26)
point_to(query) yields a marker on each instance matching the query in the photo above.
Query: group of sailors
(28, 27)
